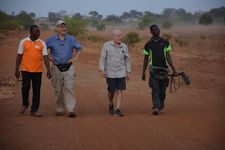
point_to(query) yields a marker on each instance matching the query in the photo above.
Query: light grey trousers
(63, 84)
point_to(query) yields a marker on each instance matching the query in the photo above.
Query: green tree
(25, 19)
(75, 26)
(113, 18)
(217, 12)
(8, 22)
(93, 13)
(32, 15)
(126, 16)
(94, 22)
(100, 27)
(136, 14)
(205, 19)
(147, 19)
(77, 16)
(145, 22)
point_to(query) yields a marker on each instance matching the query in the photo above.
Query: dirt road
(194, 117)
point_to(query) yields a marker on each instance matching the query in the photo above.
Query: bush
(145, 22)
(167, 36)
(131, 38)
(95, 39)
(76, 26)
(205, 19)
(10, 24)
(181, 42)
(100, 27)
(202, 37)
(23, 19)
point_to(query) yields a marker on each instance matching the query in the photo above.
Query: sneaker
(59, 113)
(72, 114)
(111, 109)
(35, 114)
(118, 113)
(155, 111)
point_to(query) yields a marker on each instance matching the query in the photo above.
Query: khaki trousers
(63, 83)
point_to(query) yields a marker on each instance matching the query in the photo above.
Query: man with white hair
(115, 66)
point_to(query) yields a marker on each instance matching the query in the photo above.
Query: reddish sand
(194, 117)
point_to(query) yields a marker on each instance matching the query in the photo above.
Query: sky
(105, 7)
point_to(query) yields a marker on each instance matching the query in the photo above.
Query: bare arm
(75, 57)
(46, 61)
(18, 61)
(170, 62)
(145, 64)
(51, 59)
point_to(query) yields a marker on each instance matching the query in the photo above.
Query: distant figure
(157, 55)
(29, 62)
(64, 52)
(115, 66)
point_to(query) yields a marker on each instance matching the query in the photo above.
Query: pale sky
(105, 7)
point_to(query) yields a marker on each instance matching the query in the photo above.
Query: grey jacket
(115, 62)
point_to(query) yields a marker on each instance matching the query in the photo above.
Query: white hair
(116, 31)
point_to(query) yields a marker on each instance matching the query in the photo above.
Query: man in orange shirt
(29, 62)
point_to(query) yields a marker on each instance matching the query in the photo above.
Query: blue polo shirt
(62, 50)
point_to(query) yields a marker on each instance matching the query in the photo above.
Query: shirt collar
(57, 37)
(28, 38)
(156, 39)
(113, 44)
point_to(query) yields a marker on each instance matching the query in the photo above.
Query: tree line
(133, 19)
(23, 20)
(138, 19)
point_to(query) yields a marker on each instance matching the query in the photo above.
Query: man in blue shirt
(64, 52)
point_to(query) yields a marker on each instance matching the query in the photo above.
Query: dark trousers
(158, 91)
(27, 77)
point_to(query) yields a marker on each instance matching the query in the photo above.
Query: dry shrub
(167, 36)
(182, 42)
(94, 38)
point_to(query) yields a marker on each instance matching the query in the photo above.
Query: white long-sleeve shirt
(115, 62)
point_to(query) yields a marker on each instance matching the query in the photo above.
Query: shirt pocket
(121, 55)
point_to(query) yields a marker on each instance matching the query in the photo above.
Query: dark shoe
(155, 111)
(58, 113)
(72, 114)
(111, 109)
(23, 109)
(35, 114)
(118, 113)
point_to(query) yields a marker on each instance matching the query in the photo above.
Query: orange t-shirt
(32, 51)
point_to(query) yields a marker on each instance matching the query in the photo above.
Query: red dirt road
(194, 117)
